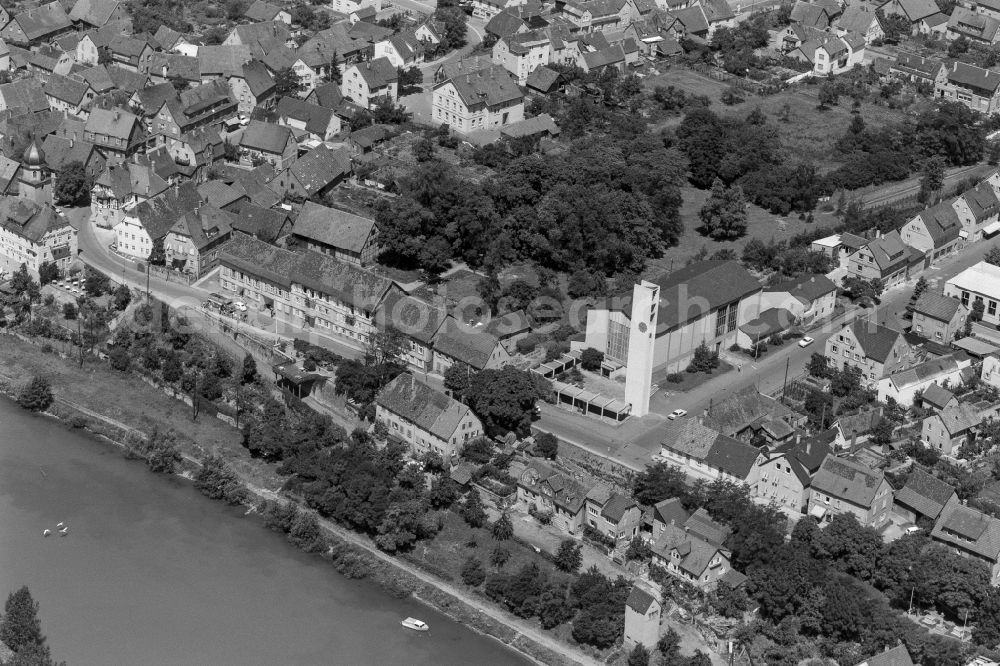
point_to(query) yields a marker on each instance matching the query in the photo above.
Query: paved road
(634, 442)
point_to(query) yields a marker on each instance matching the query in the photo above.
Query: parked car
(677, 413)
(806, 341)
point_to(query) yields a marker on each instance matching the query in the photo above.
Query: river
(151, 572)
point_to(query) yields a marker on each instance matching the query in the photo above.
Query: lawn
(690, 380)
(458, 288)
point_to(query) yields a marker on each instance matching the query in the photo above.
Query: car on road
(677, 413)
(806, 341)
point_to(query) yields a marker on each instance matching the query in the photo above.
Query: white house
(978, 283)
(367, 82)
(481, 100)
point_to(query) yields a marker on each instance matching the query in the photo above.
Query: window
(833, 348)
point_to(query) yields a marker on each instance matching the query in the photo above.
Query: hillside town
(653, 331)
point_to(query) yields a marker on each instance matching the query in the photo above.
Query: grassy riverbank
(118, 405)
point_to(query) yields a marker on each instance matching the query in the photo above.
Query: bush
(675, 378)
(36, 395)
(591, 359)
(473, 572)
(217, 481)
(527, 344)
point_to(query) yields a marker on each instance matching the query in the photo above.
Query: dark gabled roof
(97, 77)
(320, 167)
(471, 347)
(942, 223)
(346, 282)
(703, 525)
(937, 306)
(60, 151)
(45, 20)
(262, 11)
(175, 66)
(806, 288)
(118, 124)
(204, 226)
(806, 13)
(616, 506)
(225, 60)
(975, 77)
(911, 63)
(916, 9)
(24, 95)
(967, 529)
(608, 56)
(258, 78)
(897, 656)
(640, 600)
(491, 86)
(860, 423)
(735, 412)
(327, 95)
(936, 396)
(377, 73)
(670, 511)
(367, 137)
(959, 418)
(158, 215)
(218, 194)
(333, 227)
(505, 23)
(316, 118)
(66, 89)
(411, 316)
(166, 37)
(153, 98)
(876, 341)
(925, 493)
(543, 79)
(265, 224)
(731, 456)
(94, 12)
(848, 480)
(258, 258)
(127, 80)
(418, 403)
(28, 219)
(266, 137)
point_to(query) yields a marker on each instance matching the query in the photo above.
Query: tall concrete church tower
(641, 342)
(35, 182)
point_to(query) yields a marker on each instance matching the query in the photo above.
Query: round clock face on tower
(642, 327)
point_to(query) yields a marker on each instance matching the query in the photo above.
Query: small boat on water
(63, 531)
(59, 525)
(46, 532)
(415, 624)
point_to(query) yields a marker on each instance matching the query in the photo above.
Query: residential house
(455, 343)
(810, 15)
(938, 317)
(260, 37)
(370, 82)
(666, 512)
(886, 258)
(33, 27)
(978, 283)
(918, 69)
(914, 11)
(306, 290)
(425, 418)
(207, 105)
(265, 11)
(88, 47)
(192, 244)
(897, 656)
(922, 496)
(265, 142)
(600, 15)
(266, 224)
(935, 25)
(934, 231)
(843, 485)
(68, 95)
(611, 57)
(173, 41)
(615, 516)
(340, 234)
(485, 99)
(97, 13)
(120, 187)
(321, 123)
(61, 151)
(314, 174)
(547, 491)
(977, 209)
(849, 429)
(487, 9)
(703, 453)
(24, 96)
(33, 233)
(950, 429)
(831, 55)
(990, 373)
(784, 472)
(116, 133)
(975, 87)
(970, 533)
(349, 6)
(861, 19)
(746, 410)
(704, 302)
(973, 26)
(418, 321)
(643, 612)
(523, 52)
(130, 53)
(874, 349)
(224, 61)
(809, 298)
(217, 194)
(937, 397)
(403, 49)
(197, 151)
(691, 558)
(146, 225)
(904, 384)
(253, 87)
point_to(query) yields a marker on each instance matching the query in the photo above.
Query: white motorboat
(46, 532)
(415, 624)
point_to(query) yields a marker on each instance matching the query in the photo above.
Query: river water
(151, 572)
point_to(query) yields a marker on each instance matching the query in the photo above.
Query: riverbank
(119, 408)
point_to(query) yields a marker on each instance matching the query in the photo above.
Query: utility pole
(147, 283)
(784, 384)
(79, 335)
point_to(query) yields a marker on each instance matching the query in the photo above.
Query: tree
(499, 557)
(454, 25)
(473, 572)
(986, 631)
(457, 379)
(249, 370)
(818, 366)
(639, 656)
(162, 453)
(547, 445)
(171, 369)
(384, 352)
(36, 395)
(72, 185)
(932, 178)
(845, 382)
(993, 255)
(859, 289)
(423, 150)
(658, 482)
(703, 359)
(724, 215)
(157, 254)
(96, 283)
(47, 272)
(410, 77)
(503, 528)
(591, 359)
(827, 96)
(287, 83)
(569, 557)
(918, 289)
(20, 628)
(504, 399)
(472, 510)
(22, 284)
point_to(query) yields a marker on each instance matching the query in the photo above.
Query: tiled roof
(159, 214)
(542, 78)
(333, 227)
(265, 35)
(689, 437)
(266, 137)
(937, 396)
(45, 20)
(975, 77)
(982, 201)
(489, 87)
(204, 226)
(97, 78)
(889, 252)
(876, 341)
(942, 223)
(411, 317)
(260, 259)
(369, 136)
(742, 408)
(937, 306)
(608, 56)
(316, 118)
(848, 480)
(406, 45)
(695, 553)
(731, 456)
(567, 493)
(258, 78)
(708, 284)
(860, 423)
(702, 524)
(505, 23)
(897, 656)
(931, 369)
(28, 219)
(857, 18)
(166, 37)
(471, 347)
(806, 13)
(327, 95)
(60, 151)
(925, 493)
(262, 11)
(175, 66)
(377, 73)
(346, 282)
(911, 63)
(265, 224)
(24, 96)
(223, 60)
(319, 167)
(218, 194)
(640, 600)
(973, 24)
(616, 506)
(917, 9)
(670, 511)
(807, 288)
(967, 529)
(124, 179)
(94, 12)
(958, 418)
(128, 81)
